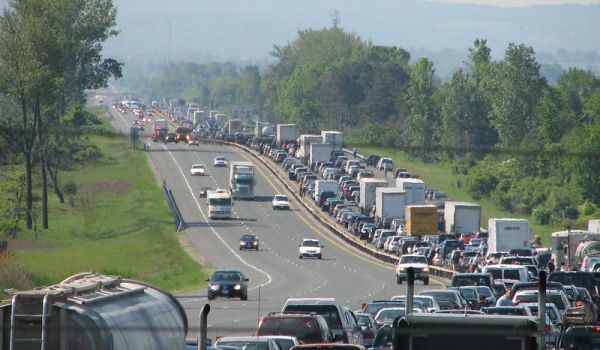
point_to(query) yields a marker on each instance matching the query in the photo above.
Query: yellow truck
(421, 220)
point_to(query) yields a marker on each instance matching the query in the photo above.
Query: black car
(228, 283)
(373, 159)
(248, 241)
(170, 137)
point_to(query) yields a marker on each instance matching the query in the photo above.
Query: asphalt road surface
(275, 271)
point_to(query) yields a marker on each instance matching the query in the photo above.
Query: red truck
(161, 126)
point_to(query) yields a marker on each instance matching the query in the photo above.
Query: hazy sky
(520, 3)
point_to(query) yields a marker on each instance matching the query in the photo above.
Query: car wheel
(426, 281)
(300, 256)
(244, 296)
(398, 280)
(211, 297)
(256, 248)
(274, 208)
(319, 257)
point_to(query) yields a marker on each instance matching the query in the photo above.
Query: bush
(571, 213)
(541, 216)
(587, 208)
(70, 188)
(481, 184)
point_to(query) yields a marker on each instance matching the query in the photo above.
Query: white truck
(320, 152)
(326, 185)
(234, 125)
(305, 141)
(335, 138)
(219, 204)
(368, 187)
(241, 179)
(389, 202)
(594, 226)
(416, 190)
(286, 133)
(507, 234)
(462, 217)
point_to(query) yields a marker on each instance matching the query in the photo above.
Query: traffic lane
(345, 266)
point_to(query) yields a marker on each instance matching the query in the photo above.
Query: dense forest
(531, 147)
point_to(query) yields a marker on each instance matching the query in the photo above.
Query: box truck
(421, 220)
(594, 226)
(416, 190)
(335, 138)
(326, 185)
(389, 202)
(286, 133)
(305, 141)
(368, 194)
(462, 217)
(320, 152)
(507, 234)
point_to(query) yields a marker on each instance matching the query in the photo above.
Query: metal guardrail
(439, 272)
(178, 218)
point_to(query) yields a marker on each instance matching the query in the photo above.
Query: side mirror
(322, 246)
(246, 279)
(338, 337)
(207, 280)
(363, 328)
(299, 245)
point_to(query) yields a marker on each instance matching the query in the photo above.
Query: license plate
(225, 291)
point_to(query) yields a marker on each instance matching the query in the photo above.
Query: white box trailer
(389, 202)
(326, 185)
(320, 152)
(335, 138)
(305, 141)
(198, 116)
(416, 190)
(594, 226)
(462, 217)
(286, 133)
(507, 234)
(368, 187)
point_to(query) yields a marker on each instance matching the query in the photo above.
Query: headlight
(214, 287)
(402, 269)
(255, 243)
(237, 287)
(426, 269)
(242, 243)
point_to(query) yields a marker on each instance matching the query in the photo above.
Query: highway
(275, 271)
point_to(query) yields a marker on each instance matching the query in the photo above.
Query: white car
(198, 169)
(220, 161)
(310, 248)
(419, 265)
(281, 201)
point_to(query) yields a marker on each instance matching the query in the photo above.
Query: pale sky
(521, 3)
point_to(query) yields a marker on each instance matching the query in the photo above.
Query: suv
(341, 320)
(308, 328)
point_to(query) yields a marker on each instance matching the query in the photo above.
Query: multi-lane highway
(275, 271)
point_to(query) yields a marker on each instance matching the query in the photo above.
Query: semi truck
(161, 126)
(462, 217)
(367, 195)
(93, 311)
(508, 234)
(421, 220)
(570, 247)
(320, 152)
(389, 203)
(181, 134)
(286, 133)
(234, 125)
(416, 190)
(241, 179)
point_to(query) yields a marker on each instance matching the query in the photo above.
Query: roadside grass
(116, 223)
(440, 176)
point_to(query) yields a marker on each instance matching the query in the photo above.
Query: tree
(298, 98)
(249, 89)
(583, 163)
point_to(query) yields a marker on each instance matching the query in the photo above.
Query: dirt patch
(19, 244)
(109, 186)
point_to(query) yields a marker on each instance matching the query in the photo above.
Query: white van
(508, 272)
(341, 320)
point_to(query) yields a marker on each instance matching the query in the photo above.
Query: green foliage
(587, 208)
(541, 216)
(481, 183)
(373, 134)
(70, 188)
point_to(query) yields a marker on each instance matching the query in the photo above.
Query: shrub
(541, 216)
(481, 183)
(587, 208)
(70, 188)
(571, 213)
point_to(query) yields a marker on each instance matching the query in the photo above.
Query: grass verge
(116, 223)
(440, 176)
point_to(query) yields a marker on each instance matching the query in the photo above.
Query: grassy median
(116, 222)
(440, 176)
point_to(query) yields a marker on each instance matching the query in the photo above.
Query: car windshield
(470, 280)
(389, 314)
(281, 198)
(413, 260)
(284, 344)
(219, 201)
(373, 308)
(219, 158)
(245, 344)
(248, 237)
(363, 320)
(329, 312)
(197, 166)
(440, 295)
(310, 243)
(227, 276)
(467, 293)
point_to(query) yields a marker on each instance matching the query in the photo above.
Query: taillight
(579, 303)
(368, 335)
(345, 337)
(548, 328)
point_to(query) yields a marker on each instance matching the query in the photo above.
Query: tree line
(529, 146)
(50, 53)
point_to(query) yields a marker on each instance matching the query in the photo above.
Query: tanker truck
(571, 247)
(93, 311)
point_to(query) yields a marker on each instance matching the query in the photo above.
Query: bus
(219, 203)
